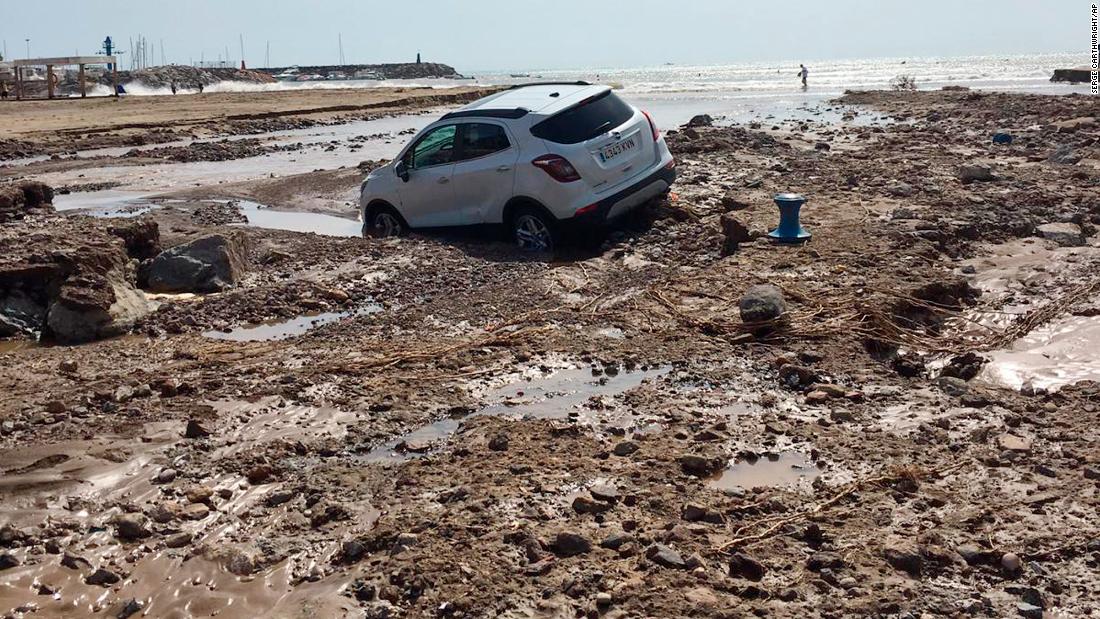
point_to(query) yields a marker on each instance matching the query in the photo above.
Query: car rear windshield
(583, 122)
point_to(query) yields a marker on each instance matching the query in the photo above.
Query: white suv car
(535, 158)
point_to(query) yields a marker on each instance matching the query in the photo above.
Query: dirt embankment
(465, 432)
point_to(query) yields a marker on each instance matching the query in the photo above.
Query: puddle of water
(325, 225)
(274, 330)
(105, 203)
(768, 471)
(556, 396)
(1055, 355)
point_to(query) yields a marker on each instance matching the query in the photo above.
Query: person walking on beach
(803, 73)
(200, 88)
(4, 90)
(173, 87)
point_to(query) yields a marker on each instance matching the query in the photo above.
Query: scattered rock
(975, 172)
(195, 429)
(665, 557)
(905, 560)
(132, 527)
(693, 512)
(734, 233)
(701, 466)
(744, 566)
(1064, 234)
(102, 577)
(569, 543)
(625, 448)
(8, 561)
(1011, 442)
(762, 303)
(701, 120)
(178, 540)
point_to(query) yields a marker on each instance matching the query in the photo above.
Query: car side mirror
(402, 171)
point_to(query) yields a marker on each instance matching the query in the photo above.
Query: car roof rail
(529, 84)
(511, 114)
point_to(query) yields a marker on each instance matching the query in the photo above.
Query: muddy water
(105, 203)
(768, 471)
(325, 225)
(1060, 353)
(559, 395)
(284, 329)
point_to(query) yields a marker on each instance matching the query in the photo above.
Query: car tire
(534, 231)
(383, 221)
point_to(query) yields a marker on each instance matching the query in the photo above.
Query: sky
(487, 35)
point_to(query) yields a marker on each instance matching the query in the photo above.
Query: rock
(278, 497)
(195, 429)
(701, 466)
(403, 542)
(762, 303)
(734, 233)
(198, 493)
(1011, 563)
(605, 493)
(964, 367)
(975, 172)
(26, 198)
(625, 448)
(952, 386)
(209, 264)
(130, 607)
(701, 120)
(617, 540)
(131, 527)
(1011, 442)
(1092, 472)
(603, 599)
(499, 443)
(178, 540)
(8, 561)
(795, 376)
(744, 566)
(824, 560)
(352, 551)
(166, 476)
(1075, 124)
(585, 505)
(905, 560)
(260, 474)
(1064, 234)
(702, 597)
(693, 512)
(569, 544)
(732, 202)
(195, 511)
(1064, 155)
(140, 237)
(102, 577)
(1030, 611)
(665, 557)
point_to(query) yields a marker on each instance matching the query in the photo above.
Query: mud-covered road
(437, 426)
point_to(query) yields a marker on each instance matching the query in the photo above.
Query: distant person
(3, 90)
(173, 87)
(120, 90)
(804, 73)
(200, 88)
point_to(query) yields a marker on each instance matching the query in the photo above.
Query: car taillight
(585, 210)
(653, 126)
(557, 167)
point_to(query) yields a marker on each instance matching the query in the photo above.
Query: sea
(741, 92)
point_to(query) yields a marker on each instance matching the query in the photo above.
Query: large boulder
(1064, 234)
(17, 200)
(210, 264)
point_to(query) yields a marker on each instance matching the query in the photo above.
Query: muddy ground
(436, 426)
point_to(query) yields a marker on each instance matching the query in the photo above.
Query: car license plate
(607, 153)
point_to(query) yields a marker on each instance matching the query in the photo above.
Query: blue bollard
(789, 230)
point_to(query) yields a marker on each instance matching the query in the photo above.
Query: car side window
(482, 139)
(437, 147)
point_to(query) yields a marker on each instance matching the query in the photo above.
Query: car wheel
(534, 231)
(384, 222)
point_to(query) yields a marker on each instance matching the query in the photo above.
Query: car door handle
(504, 168)
(443, 180)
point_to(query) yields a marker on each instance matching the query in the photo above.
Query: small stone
(279, 497)
(625, 448)
(975, 173)
(701, 466)
(568, 544)
(824, 560)
(952, 386)
(195, 511)
(702, 597)
(260, 474)
(603, 599)
(499, 443)
(1011, 563)
(403, 542)
(102, 577)
(744, 566)
(132, 527)
(905, 560)
(694, 512)
(617, 540)
(8, 561)
(762, 303)
(166, 476)
(585, 505)
(665, 557)
(56, 407)
(1030, 611)
(1064, 234)
(1092, 472)
(605, 493)
(178, 540)
(1011, 442)
(129, 608)
(68, 367)
(199, 494)
(195, 429)
(701, 120)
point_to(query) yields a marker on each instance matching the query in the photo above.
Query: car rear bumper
(626, 200)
